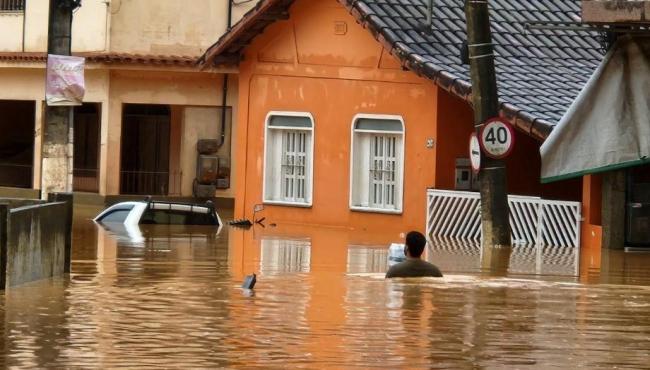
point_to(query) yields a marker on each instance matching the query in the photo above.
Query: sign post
(495, 225)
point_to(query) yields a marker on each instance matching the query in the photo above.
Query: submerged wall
(34, 240)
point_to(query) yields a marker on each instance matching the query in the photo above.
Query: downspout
(224, 98)
(24, 23)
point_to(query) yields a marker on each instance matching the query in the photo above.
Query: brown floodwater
(170, 297)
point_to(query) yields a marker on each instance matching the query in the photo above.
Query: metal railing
(533, 221)
(16, 175)
(144, 183)
(12, 5)
(86, 180)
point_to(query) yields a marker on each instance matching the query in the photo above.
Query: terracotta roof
(108, 58)
(540, 72)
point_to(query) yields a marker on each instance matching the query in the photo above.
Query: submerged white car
(159, 213)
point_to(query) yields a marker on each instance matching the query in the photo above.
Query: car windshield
(117, 215)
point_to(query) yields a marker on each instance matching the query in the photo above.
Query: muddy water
(169, 297)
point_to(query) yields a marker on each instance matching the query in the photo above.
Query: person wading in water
(414, 266)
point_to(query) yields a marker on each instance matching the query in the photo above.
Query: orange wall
(455, 125)
(322, 62)
(592, 231)
(303, 65)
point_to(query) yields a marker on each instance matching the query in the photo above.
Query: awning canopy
(608, 125)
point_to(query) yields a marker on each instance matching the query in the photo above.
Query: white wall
(89, 26)
(11, 31)
(169, 27)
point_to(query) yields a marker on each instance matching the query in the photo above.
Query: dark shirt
(413, 267)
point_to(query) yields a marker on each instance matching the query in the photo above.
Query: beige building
(146, 102)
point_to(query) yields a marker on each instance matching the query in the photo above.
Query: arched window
(377, 163)
(288, 168)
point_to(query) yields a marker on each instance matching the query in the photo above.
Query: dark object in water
(241, 223)
(249, 281)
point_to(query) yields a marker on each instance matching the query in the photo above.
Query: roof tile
(549, 68)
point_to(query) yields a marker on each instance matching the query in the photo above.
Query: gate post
(539, 239)
(66, 198)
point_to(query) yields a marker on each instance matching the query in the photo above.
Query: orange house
(346, 117)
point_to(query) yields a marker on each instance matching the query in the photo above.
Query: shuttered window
(288, 159)
(376, 170)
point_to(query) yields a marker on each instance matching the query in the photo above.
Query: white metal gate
(533, 221)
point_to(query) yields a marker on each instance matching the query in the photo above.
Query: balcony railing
(12, 5)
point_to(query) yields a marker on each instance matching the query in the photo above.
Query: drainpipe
(224, 99)
(223, 109)
(24, 23)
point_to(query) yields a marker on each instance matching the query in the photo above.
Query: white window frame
(400, 174)
(309, 188)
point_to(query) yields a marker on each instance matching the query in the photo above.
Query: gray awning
(608, 126)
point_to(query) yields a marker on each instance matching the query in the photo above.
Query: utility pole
(494, 195)
(58, 136)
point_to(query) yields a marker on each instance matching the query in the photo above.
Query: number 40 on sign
(497, 138)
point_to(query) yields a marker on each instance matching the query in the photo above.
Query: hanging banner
(65, 80)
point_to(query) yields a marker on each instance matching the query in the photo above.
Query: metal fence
(86, 180)
(533, 221)
(12, 5)
(16, 175)
(144, 183)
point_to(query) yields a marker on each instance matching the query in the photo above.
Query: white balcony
(23, 26)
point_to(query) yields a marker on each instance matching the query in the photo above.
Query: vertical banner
(65, 80)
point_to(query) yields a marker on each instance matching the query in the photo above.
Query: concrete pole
(57, 159)
(494, 195)
(4, 235)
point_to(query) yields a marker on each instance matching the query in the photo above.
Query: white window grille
(279, 255)
(377, 163)
(288, 162)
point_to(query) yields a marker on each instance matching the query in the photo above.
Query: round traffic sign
(497, 138)
(475, 152)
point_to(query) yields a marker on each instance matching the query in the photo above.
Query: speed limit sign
(497, 138)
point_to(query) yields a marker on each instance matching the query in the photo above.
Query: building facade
(337, 126)
(146, 103)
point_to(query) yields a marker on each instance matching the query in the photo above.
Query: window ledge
(287, 204)
(377, 210)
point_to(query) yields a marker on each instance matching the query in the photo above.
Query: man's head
(415, 243)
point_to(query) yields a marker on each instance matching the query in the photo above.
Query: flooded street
(170, 297)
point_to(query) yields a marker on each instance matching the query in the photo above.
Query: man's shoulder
(413, 268)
